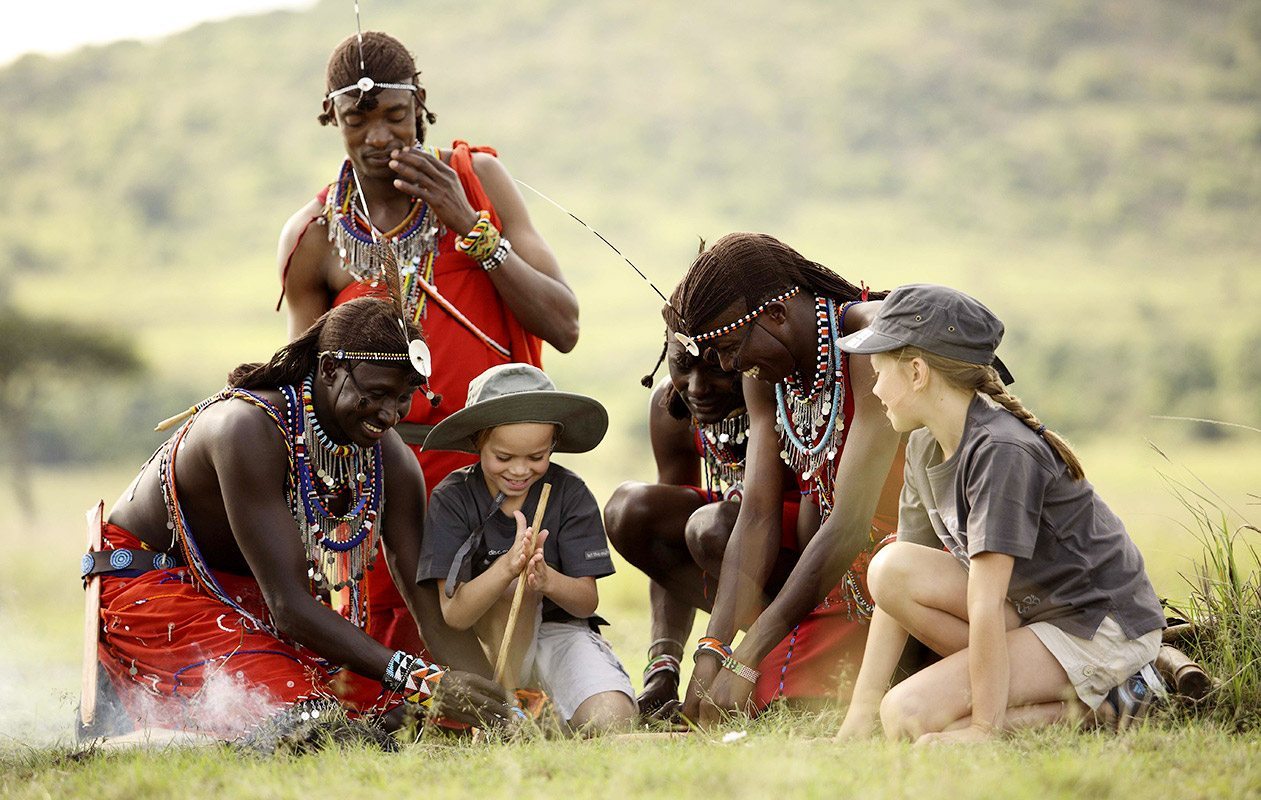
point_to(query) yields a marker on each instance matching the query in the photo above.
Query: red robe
(182, 659)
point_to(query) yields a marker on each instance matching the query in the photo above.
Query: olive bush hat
(510, 393)
(934, 318)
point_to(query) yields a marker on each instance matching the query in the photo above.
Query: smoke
(226, 706)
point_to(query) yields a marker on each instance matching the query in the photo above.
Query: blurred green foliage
(1091, 169)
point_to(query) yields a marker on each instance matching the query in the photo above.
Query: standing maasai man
(476, 273)
(221, 560)
(758, 307)
(677, 530)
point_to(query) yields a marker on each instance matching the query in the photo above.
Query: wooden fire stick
(501, 665)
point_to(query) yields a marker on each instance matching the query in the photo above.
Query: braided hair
(385, 60)
(752, 268)
(365, 324)
(984, 378)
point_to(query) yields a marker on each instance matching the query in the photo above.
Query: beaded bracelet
(499, 256)
(713, 646)
(411, 675)
(482, 240)
(730, 664)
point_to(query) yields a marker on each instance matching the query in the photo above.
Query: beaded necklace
(811, 425)
(363, 255)
(723, 451)
(339, 548)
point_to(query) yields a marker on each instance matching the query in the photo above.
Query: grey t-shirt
(1006, 491)
(576, 544)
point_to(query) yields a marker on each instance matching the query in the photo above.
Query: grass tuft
(1224, 605)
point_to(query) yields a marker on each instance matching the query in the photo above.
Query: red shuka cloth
(184, 660)
(458, 357)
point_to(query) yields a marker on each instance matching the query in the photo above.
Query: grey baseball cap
(934, 318)
(510, 393)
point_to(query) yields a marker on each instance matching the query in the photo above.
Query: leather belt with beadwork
(126, 562)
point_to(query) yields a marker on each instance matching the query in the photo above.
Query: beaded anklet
(662, 663)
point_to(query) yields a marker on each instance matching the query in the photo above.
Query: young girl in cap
(476, 541)
(1039, 603)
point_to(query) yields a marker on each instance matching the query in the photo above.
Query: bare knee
(626, 518)
(602, 713)
(707, 532)
(889, 573)
(904, 713)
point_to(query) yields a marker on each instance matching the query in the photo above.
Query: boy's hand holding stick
(501, 664)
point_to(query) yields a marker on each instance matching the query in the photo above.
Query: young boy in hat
(477, 541)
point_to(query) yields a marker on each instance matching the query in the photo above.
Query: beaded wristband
(498, 257)
(422, 684)
(411, 675)
(741, 670)
(713, 646)
(482, 240)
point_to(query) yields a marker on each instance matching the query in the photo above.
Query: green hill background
(1092, 170)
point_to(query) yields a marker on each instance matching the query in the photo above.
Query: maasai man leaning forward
(755, 306)
(677, 531)
(485, 283)
(233, 566)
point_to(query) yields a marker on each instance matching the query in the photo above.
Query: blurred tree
(36, 354)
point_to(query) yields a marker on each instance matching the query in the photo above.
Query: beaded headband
(417, 355)
(692, 343)
(366, 84)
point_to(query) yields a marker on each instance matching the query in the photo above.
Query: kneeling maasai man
(677, 531)
(231, 569)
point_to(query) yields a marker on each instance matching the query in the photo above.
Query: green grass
(780, 757)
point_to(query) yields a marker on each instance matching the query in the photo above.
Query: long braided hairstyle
(752, 268)
(385, 60)
(984, 378)
(365, 324)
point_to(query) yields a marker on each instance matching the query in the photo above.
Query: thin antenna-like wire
(599, 236)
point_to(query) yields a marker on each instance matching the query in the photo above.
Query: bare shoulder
(861, 315)
(241, 433)
(298, 222)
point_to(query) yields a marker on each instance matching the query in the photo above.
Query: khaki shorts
(571, 663)
(1096, 666)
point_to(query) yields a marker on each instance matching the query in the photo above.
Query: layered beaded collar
(362, 249)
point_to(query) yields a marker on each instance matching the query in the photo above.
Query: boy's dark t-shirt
(576, 544)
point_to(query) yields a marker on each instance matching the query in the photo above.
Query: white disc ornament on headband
(422, 360)
(689, 344)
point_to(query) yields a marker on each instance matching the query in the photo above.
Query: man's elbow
(565, 337)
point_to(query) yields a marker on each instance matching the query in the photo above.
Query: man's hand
(703, 675)
(473, 700)
(421, 175)
(729, 694)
